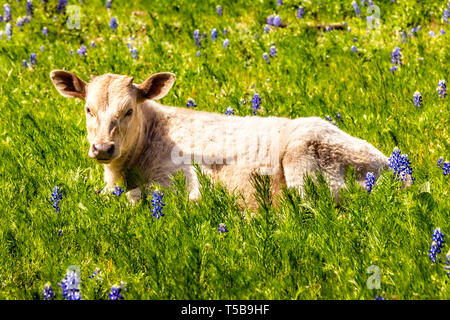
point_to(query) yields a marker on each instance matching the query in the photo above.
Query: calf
(140, 141)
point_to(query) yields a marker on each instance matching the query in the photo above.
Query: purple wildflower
(417, 99)
(300, 13)
(444, 165)
(62, 4)
(71, 286)
(356, 7)
(270, 20)
(370, 181)
(213, 34)
(157, 204)
(29, 6)
(197, 38)
(8, 30)
(277, 21)
(191, 103)
(134, 53)
(437, 242)
(82, 51)
(256, 103)
(400, 164)
(266, 57)
(266, 28)
(226, 43)
(48, 293)
(56, 197)
(45, 31)
(219, 10)
(273, 51)
(446, 15)
(108, 4)
(442, 89)
(117, 191)
(113, 23)
(33, 60)
(353, 48)
(116, 293)
(7, 14)
(222, 228)
(396, 56)
(229, 111)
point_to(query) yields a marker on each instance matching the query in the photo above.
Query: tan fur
(156, 141)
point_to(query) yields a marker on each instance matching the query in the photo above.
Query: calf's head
(112, 113)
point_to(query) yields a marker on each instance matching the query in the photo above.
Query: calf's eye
(88, 111)
(129, 113)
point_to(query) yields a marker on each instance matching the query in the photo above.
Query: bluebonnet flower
(270, 20)
(396, 56)
(377, 297)
(432, 34)
(401, 165)
(71, 52)
(62, 4)
(225, 31)
(92, 44)
(219, 10)
(447, 263)
(393, 68)
(191, 103)
(338, 116)
(370, 181)
(60, 233)
(71, 286)
(33, 60)
(45, 31)
(108, 4)
(266, 28)
(134, 53)
(198, 53)
(356, 7)
(446, 15)
(116, 293)
(117, 191)
(370, 3)
(226, 43)
(48, 293)
(442, 89)
(266, 57)
(353, 48)
(29, 6)
(273, 51)
(157, 204)
(222, 228)
(82, 51)
(328, 118)
(20, 22)
(442, 32)
(8, 30)
(197, 38)
(437, 242)
(229, 111)
(404, 38)
(444, 165)
(242, 102)
(279, 2)
(256, 103)
(300, 13)
(56, 197)
(7, 14)
(213, 34)
(41, 48)
(1, 18)
(277, 21)
(96, 274)
(113, 23)
(417, 99)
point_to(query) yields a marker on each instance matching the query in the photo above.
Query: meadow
(371, 245)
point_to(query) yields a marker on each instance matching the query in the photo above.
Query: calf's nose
(103, 151)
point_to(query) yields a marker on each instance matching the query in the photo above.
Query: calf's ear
(68, 84)
(155, 87)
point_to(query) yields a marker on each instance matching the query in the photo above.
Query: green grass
(304, 248)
